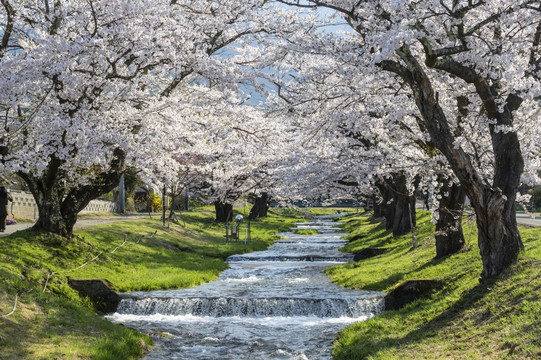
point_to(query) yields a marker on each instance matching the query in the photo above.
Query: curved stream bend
(273, 304)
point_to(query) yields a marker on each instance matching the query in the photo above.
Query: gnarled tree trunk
(261, 207)
(498, 237)
(449, 235)
(57, 205)
(397, 206)
(404, 219)
(224, 211)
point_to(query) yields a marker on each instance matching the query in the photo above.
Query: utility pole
(164, 203)
(121, 196)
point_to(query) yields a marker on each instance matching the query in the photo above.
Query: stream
(273, 304)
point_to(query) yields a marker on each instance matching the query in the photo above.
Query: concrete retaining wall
(24, 206)
(99, 206)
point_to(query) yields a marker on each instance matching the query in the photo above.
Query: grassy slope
(58, 324)
(499, 318)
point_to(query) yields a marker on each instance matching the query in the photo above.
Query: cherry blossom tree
(382, 144)
(84, 83)
(485, 53)
(238, 163)
(226, 143)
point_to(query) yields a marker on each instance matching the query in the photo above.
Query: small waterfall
(308, 257)
(252, 307)
(273, 304)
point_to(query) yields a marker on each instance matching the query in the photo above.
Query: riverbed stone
(408, 291)
(367, 253)
(99, 291)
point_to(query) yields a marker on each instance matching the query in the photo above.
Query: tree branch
(9, 27)
(497, 15)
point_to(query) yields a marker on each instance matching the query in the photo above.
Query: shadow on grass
(385, 283)
(378, 232)
(370, 347)
(45, 325)
(454, 314)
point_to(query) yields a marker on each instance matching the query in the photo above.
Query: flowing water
(273, 304)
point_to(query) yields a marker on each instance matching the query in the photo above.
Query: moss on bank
(58, 324)
(465, 319)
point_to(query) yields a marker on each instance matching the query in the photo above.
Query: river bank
(133, 255)
(462, 319)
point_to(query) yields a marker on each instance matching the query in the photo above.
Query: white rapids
(273, 304)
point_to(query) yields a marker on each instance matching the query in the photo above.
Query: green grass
(58, 324)
(500, 318)
(333, 210)
(98, 215)
(307, 232)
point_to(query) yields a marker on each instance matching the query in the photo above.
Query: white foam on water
(298, 280)
(267, 321)
(242, 280)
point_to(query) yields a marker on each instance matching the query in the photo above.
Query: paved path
(81, 223)
(523, 219)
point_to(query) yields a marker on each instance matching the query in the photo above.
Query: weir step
(253, 307)
(319, 258)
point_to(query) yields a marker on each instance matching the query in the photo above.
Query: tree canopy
(294, 99)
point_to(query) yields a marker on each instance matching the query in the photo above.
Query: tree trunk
(449, 235)
(172, 200)
(403, 220)
(57, 205)
(389, 211)
(380, 208)
(498, 237)
(397, 206)
(224, 211)
(58, 213)
(261, 207)
(50, 217)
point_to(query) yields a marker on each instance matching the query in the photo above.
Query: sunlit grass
(58, 324)
(463, 320)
